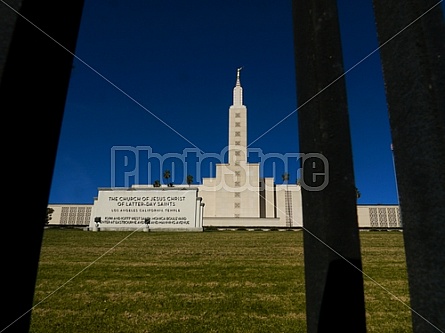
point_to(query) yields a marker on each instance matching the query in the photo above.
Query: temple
(238, 196)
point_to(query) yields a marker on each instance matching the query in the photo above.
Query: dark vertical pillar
(262, 197)
(7, 29)
(33, 86)
(414, 71)
(334, 281)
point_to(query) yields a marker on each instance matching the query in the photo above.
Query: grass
(225, 281)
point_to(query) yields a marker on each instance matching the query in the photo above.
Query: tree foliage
(49, 217)
(167, 175)
(285, 177)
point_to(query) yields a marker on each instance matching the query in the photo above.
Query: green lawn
(226, 281)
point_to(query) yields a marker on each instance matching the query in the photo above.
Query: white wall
(69, 214)
(369, 216)
(166, 207)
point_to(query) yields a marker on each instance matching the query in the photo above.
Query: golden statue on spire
(238, 70)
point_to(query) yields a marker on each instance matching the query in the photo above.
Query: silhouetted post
(34, 76)
(334, 281)
(414, 70)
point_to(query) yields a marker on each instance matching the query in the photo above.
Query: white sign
(130, 209)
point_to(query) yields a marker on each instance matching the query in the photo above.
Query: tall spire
(238, 90)
(237, 125)
(238, 70)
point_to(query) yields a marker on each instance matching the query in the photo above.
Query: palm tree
(189, 179)
(167, 175)
(285, 177)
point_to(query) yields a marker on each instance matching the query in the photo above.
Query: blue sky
(159, 73)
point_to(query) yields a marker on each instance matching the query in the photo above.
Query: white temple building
(237, 197)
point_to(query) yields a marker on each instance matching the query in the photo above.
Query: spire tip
(238, 70)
